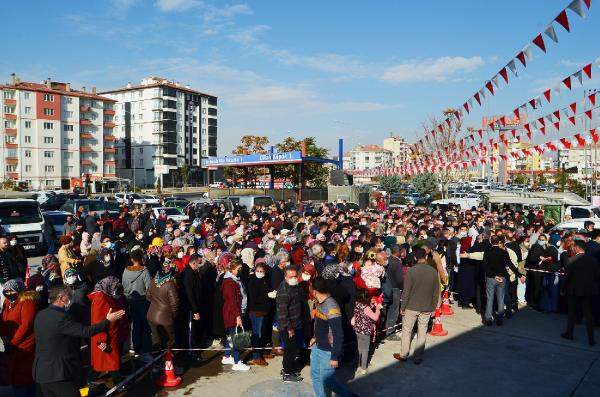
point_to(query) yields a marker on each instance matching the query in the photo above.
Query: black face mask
(12, 297)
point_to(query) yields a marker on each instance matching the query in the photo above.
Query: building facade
(54, 136)
(364, 157)
(160, 126)
(585, 158)
(400, 149)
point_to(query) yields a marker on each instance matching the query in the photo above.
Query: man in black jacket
(495, 262)
(57, 363)
(395, 274)
(289, 311)
(191, 298)
(581, 279)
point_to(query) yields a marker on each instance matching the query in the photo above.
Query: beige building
(399, 147)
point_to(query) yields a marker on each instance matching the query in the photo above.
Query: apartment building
(55, 137)
(161, 125)
(400, 149)
(365, 157)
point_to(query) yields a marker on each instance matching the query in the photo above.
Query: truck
(23, 218)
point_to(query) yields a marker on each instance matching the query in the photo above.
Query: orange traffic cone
(438, 329)
(168, 379)
(446, 309)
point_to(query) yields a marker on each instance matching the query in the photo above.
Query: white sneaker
(240, 366)
(228, 360)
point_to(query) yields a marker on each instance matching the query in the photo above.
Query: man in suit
(581, 280)
(57, 363)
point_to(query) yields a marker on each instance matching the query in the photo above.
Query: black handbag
(241, 340)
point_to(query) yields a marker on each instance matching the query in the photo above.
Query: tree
(316, 174)
(444, 141)
(425, 183)
(184, 172)
(249, 144)
(391, 183)
(520, 179)
(541, 179)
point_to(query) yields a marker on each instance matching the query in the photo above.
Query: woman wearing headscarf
(106, 347)
(164, 304)
(67, 256)
(80, 304)
(18, 314)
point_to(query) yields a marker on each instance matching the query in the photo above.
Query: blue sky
(352, 69)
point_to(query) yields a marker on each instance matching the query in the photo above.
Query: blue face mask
(352, 271)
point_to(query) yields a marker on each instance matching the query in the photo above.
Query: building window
(48, 139)
(27, 109)
(28, 124)
(203, 120)
(27, 138)
(68, 141)
(204, 152)
(48, 126)
(140, 117)
(48, 98)
(48, 112)
(48, 154)
(141, 150)
(8, 109)
(11, 168)
(12, 153)
(49, 168)
(67, 155)
(68, 114)
(68, 169)
(203, 110)
(141, 162)
(27, 168)
(69, 100)
(68, 128)
(49, 182)
(26, 95)
(27, 153)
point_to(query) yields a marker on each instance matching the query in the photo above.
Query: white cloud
(273, 96)
(248, 35)
(177, 5)
(439, 69)
(227, 12)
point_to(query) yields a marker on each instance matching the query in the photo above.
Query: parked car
(58, 219)
(172, 213)
(23, 218)
(124, 198)
(99, 206)
(575, 225)
(250, 201)
(582, 211)
(179, 204)
(150, 198)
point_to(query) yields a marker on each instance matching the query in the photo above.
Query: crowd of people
(322, 286)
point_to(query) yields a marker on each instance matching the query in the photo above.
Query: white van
(250, 201)
(23, 218)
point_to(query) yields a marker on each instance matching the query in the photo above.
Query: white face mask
(71, 280)
(305, 277)
(169, 229)
(259, 274)
(140, 236)
(182, 228)
(180, 254)
(13, 242)
(292, 281)
(364, 223)
(106, 258)
(150, 234)
(359, 250)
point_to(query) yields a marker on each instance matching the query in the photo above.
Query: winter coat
(232, 302)
(114, 337)
(17, 326)
(164, 303)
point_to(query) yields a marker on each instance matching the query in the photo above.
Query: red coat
(232, 302)
(110, 359)
(17, 325)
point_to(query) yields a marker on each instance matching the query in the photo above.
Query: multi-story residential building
(365, 157)
(55, 136)
(400, 149)
(585, 158)
(161, 125)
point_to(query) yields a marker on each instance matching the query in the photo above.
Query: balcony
(109, 124)
(110, 150)
(85, 109)
(109, 175)
(10, 102)
(110, 138)
(85, 122)
(86, 135)
(110, 162)
(10, 116)
(13, 175)
(109, 111)
(86, 149)
(11, 131)
(12, 145)
(86, 162)
(12, 160)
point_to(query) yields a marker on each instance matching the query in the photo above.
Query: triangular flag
(543, 130)
(588, 3)
(547, 95)
(578, 74)
(495, 81)
(572, 120)
(482, 93)
(587, 69)
(550, 32)
(527, 52)
(476, 96)
(563, 20)
(489, 86)
(529, 135)
(556, 88)
(480, 132)
(557, 125)
(576, 7)
(589, 114)
(566, 143)
(516, 112)
(573, 107)
(470, 102)
(466, 106)
(567, 82)
(504, 74)
(557, 114)
(513, 68)
(592, 99)
(527, 128)
(539, 41)
(521, 57)
(542, 121)
(594, 135)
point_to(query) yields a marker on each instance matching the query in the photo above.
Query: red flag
(457, 114)
(572, 120)
(476, 96)
(492, 125)
(521, 57)
(527, 128)
(542, 121)
(504, 157)
(529, 134)
(490, 87)
(532, 103)
(547, 95)
(589, 114)
(594, 135)
(557, 114)
(496, 145)
(502, 138)
(557, 125)
(543, 130)
(566, 143)
(587, 69)
(514, 133)
(466, 106)
(580, 140)
(504, 74)
(480, 132)
(588, 3)
(573, 107)
(563, 20)
(482, 161)
(516, 112)
(539, 41)
(592, 99)
(567, 82)
(492, 159)
(473, 163)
